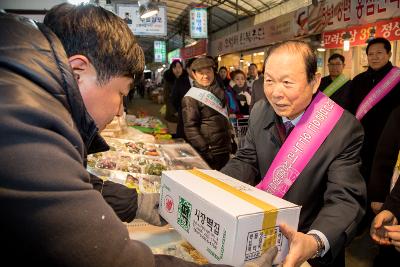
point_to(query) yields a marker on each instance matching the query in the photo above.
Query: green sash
(335, 85)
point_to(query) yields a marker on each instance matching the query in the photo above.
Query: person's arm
(243, 166)
(123, 200)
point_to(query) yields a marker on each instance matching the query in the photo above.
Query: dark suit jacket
(330, 189)
(341, 96)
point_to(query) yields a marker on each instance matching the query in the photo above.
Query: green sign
(173, 55)
(160, 51)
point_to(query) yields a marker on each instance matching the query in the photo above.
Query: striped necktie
(288, 127)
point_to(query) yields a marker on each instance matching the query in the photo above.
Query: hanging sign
(389, 29)
(160, 51)
(198, 22)
(153, 26)
(197, 49)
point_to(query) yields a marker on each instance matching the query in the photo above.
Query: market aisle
(138, 105)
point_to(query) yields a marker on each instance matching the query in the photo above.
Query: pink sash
(300, 146)
(378, 92)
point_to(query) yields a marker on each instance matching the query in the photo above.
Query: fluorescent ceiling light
(147, 9)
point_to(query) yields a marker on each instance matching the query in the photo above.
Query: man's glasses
(335, 65)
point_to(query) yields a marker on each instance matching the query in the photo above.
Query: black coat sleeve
(384, 159)
(392, 202)
(122, 200)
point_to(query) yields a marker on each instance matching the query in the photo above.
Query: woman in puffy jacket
(207, 129)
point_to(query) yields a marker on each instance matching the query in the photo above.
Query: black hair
(335, 56)
(295, 47)
(174, 63)
(189, 62)
(380, 40)
(236, 72)
(253, 64)
(223, 68)
(100, 35)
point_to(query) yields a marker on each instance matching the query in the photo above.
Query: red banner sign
(390, 29)
(198, 49)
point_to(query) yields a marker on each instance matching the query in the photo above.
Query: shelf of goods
(139, 165)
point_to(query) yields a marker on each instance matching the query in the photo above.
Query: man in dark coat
(378, 54)
(206, 129)
(52, 105)
(330, 188)
(336, 66)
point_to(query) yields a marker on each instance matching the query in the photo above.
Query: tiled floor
(360, 252)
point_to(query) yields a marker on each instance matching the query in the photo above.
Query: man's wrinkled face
(285, 83)
(377, 56)
(204, 76)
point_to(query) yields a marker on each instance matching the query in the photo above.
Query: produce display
(139, 165)
(122, 161)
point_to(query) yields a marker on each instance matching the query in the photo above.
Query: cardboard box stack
(228, 221)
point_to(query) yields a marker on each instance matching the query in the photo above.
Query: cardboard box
(227, 221)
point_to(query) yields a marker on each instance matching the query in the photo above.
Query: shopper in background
(52, 107)
(181, 87)
(174, 72)
(252, 75)
(386, 198)
(336, 84)
(206, 124)
(242, 95)
(257, 91)
(315, 166)
(223, 74)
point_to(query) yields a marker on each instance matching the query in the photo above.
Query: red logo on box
(169, 204)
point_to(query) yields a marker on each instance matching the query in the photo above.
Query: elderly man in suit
(315, 164)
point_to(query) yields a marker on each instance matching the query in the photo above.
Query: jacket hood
(40, 57)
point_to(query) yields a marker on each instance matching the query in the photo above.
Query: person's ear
(316, 82)
(80, 67)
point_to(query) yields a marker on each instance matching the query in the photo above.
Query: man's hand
(376, 207)
(301, 247)
(265, 260)
(377, 231)
(393, 232)
(148, 209)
